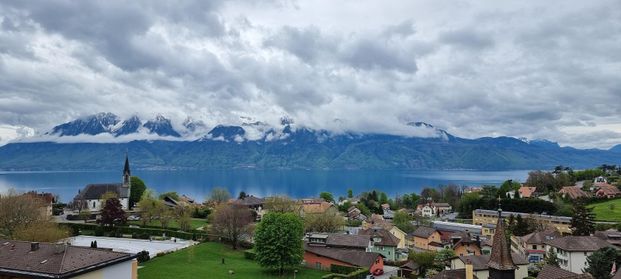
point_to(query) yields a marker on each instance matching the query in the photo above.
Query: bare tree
(219, 195)
(282, 204)
(18, 212)
(232, 221)
(329, 221)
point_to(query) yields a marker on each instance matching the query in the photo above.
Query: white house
(434, 209)
(572, 251)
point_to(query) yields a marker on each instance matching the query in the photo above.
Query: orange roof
(527, 192)
(320, 207)
(573, 192)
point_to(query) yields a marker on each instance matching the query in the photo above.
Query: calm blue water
(293, 183)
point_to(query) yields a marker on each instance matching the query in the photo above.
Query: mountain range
(99, 142)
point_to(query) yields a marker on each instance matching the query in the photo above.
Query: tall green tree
(424, 259)
(219, 195)
(582, 221)
(600, 262)
(403, 221)
(442, 258)
(350, 193)
(278, 241)
(137, 188)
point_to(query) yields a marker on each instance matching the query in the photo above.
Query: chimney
(34, 246)
(469, 270)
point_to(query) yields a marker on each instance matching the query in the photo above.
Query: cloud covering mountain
(534, 69)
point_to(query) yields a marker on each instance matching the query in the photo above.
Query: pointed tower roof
(126, 168)
(500, 259)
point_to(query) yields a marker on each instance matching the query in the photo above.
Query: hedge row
(250, 254)
(359, 274)
(341, 269)
(143, 233)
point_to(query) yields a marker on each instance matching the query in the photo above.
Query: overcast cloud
(535, 69)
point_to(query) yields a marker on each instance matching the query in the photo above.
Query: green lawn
(196, 223)
(607, 210)
(205, 261)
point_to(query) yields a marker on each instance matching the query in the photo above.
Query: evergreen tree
(582, 221)
(551, 258)
(600, 262)
(350, 193)
(136, 189)
(278, 241)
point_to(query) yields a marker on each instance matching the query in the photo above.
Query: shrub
(143, 256)
(249, 254)
(99, 231)
(342, 269)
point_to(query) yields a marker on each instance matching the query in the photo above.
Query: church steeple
(127, 174)
(501, 265)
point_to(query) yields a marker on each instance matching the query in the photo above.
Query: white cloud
(527, 69)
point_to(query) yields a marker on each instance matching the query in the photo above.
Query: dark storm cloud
(533, 69)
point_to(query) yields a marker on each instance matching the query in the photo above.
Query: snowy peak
(426, 130)
(129, 126)
(193, 125)
(91, 125)
(161, 126)
(226, 133)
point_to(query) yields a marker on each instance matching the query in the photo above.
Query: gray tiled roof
(579, 243)
(95, 191)
(423, 232)
(387, 238)
(54, 260)
(553, 272)
(452, 274)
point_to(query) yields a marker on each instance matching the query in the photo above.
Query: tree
(600, 262)
(136, 190)
(278, 241)
(350, 193)
(219, 195)
(109, 195)
(242, 195)
(442, 258)
(149, 207)
(551, 258)
(582, 221)
(327, 196)
(403, 221)
(424, 259)
(164, 214)
(18, 211)
(508, 186)
(231, 222)
(112, 214)
(42, 231)
(328, 221)
(282, 204)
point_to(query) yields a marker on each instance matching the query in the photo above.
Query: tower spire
(127, 174)
(501, 265)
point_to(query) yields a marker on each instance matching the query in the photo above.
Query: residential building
(486, 218)
(314, 206)
(21, 259)
(91, 197)
(432, 209)
(400, 235)
(464, 244)
(253, 203)
(612, 236)
(532, 245)
(572, 251)
(47, 202)
(383, 242)
(410, 269)
(353, 213)
(572, 193)
(607, 191)
(600, 181)
(553, 272)
(323, 250)
(426, 238)
(527, 192)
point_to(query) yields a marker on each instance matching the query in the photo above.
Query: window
(534, 247)
(317, 265)
(93, 204)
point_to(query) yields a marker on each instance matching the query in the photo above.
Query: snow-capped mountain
(129, 126)
(91, 125)
(161, 126)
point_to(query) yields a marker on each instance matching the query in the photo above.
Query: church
(90, 198)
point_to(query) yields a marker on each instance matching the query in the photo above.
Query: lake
(293, 183)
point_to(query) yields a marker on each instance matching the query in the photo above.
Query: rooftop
(553, 272)
(350, 256)
(578, 243)
(18, 258)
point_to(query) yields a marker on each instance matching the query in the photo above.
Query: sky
(532, 69)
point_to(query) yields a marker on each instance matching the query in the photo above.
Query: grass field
(607, 210)
(196, 223)
(205, 261)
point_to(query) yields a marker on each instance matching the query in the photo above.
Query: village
(541, 228)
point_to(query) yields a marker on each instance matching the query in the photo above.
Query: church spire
(501, 263)
(127, 174)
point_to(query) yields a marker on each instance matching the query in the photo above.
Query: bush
(143, 256)
(142, 233)
(249, 254)
(358, 274)
(342, 269)
(99, 231)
